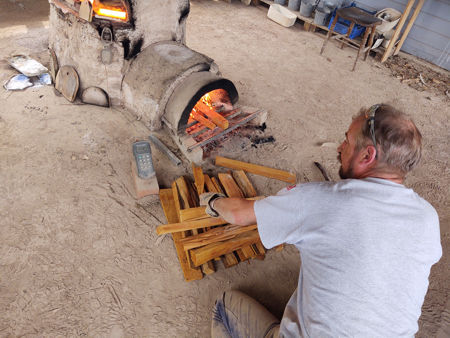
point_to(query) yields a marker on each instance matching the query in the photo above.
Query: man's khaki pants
(237, 315)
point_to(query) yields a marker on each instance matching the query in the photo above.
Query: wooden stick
(208, 252)
(409, 26)
(193, 214)
(190, 199)
(217, 186)
(169, 208)
(203, 120)
(398, 29)
(230, 186)
(189, 225)
(215, 235)
(229, 260)
(213, 186)
(184, 192)
(211, 114)
(244, 183)
(199, 179)
(209, 184)
(256, 169)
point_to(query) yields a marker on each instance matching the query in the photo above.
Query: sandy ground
(80, 256)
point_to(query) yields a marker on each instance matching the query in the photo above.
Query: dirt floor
(80, 256)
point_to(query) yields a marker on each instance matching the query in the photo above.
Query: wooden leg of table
(398, 29)
(348, 33)
(330, 32)
(369, 45)
(307, 26)
(361, 47)
(409, 26)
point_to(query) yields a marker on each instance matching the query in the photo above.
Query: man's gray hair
(399, 142)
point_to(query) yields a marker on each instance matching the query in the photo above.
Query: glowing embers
(111, 9)
(208, 111)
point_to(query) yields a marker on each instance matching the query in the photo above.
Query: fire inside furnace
(109, 9)
(210, 112)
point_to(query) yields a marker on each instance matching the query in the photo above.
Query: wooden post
(398, 30)
(409, 26)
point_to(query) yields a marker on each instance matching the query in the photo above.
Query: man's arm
(238, 211)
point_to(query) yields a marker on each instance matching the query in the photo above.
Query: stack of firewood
(201, 239)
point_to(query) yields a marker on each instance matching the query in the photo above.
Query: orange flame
(112, 10)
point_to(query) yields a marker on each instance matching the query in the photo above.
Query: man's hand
(208, 199)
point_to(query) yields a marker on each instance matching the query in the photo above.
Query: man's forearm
(237, 211)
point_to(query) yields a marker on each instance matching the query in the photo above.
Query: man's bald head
(399, 142)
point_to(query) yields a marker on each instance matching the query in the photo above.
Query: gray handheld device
(143, 156)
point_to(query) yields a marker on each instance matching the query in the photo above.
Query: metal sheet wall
(429, 38)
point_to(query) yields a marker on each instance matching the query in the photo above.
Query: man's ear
(368, 156)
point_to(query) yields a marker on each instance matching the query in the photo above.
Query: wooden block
(213, 186)
(249, 252)
(256, 169)
(208, 252)
(168, 205)
(230, 186)
(199, 179)
(143, 187)
(210, 187)
(259, 250)
(244, 183)
(229, 260)
(208, 268)
(193, 214)
(215, 235)
(185, 195)
(260, 247)
(189, 225)
(203, 120)
(211, 114)
(176, 198)
(217, 186)
(190, 199)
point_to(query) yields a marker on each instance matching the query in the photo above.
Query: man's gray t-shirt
(366, 246)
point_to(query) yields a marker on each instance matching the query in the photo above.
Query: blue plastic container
(342, 25)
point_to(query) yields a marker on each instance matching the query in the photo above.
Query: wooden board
(210, 187)
(169, 208)
(213, 185)
(199, 179)
(203, 120)
(229, 260)
(208, 252)
(215, 235)
(230, 186)
(217, 186)
(244, 183)
(193, 214)
(190, 199)
(185, 195)
(67, 82)
(256, 169)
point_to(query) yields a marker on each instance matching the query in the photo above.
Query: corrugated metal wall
(429, 38)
